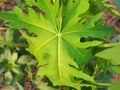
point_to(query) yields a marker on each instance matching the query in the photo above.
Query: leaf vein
(44, 44)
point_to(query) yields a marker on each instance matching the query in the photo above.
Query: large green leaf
(57, 45)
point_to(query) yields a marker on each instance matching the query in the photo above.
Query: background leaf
(111, 54)
(115, 85)
(116, 69)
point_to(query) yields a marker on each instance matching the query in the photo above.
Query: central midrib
(59, 63)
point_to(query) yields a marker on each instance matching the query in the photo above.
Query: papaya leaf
(56, 44)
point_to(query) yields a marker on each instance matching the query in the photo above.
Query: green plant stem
(1, 28)
(103, 84)
(13, 44)
(109, 45)
(95, 70)
(94, 73)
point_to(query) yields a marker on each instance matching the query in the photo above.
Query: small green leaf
(42, 85)
(8, 77)
(9, 36)
(20, 87)
(17, 71)
(24, 59)
(8, 88)
(29, 72)
(14, 57)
